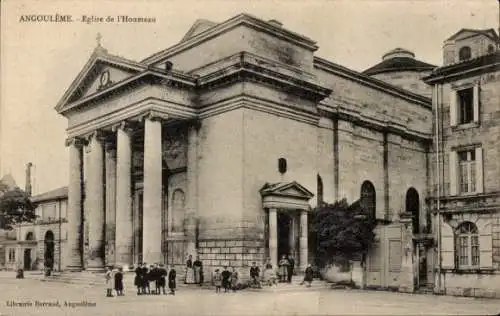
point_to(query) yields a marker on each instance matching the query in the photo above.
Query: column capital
(97, 134)
(125, 126)
(154, 116)
(74, 141)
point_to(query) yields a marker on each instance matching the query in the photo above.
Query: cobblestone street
(204, 302)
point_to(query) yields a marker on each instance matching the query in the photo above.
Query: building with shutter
(41, 244)
(464, 164)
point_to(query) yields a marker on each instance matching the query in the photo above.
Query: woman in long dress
(189, 270)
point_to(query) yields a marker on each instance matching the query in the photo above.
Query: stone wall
(409, 80)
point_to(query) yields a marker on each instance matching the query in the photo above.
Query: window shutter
(479, 170)
(453, 107)
(476, 102)
(447, 247)
(485, 249)
(453, 173)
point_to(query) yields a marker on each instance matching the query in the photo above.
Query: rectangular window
(463, 258)
(467, 171)
(465, 105)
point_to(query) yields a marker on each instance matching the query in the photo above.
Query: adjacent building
(41, 244)
(465, 169)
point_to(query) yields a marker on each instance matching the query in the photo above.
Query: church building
(221, 145)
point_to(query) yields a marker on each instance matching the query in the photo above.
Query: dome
(398, 59)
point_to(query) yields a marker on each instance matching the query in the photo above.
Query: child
(119, 282)
(234, 279)
(226, 279)
(217, 280)
(171, 279)
(109, 284)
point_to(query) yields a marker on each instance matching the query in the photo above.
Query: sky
(40, 60)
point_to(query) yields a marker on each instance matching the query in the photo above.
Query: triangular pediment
(101, 72)
(466, 33)
(286, 189)
(199, 26)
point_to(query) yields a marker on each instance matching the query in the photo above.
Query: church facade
(221, 145)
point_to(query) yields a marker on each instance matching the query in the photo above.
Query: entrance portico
(287, 205)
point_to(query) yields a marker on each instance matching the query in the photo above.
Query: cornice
(370, 122)
(261, 105)
(242, 19)
(247, 69)
(344, 72)
(459, 72)
(153, 106)
(151, 74)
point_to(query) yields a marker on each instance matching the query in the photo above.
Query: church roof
(56, 194)
(399, 59)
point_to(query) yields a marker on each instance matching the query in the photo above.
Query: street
(33, 293)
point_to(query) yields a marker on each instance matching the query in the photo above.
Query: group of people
(194, 271)
(114, 281)
(285, 273)
(225, 279)
(144, 277)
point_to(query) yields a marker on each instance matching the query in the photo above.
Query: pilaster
(303, 242)
(273, 236)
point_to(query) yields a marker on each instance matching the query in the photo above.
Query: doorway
(422, 266)
(49, 249)
(284, 228)
(27, 259)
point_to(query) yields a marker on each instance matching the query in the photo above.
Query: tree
(15, 207)
(341, 233)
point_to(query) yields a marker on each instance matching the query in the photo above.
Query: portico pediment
(101, 72)
(285, 195)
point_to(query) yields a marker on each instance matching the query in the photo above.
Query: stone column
(110, 162)
(273, 236)
(303, 241)
(152, 224)
(95, 201)
(192, 189)
(74, 212)
(124, 215)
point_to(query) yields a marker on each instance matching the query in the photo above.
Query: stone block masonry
(231, 253)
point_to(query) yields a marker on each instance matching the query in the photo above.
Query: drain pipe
(438, 193)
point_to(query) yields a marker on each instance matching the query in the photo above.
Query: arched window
(467, 245)
(320, 189)
(412, 206)
(178, 211)
(491, 49)
(30, 236)
(368, 199)
(464, 53)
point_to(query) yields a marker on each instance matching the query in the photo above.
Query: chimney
(28, 178)
(275, 23)
(168, 65)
